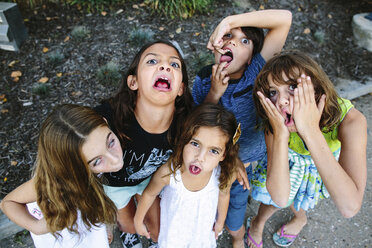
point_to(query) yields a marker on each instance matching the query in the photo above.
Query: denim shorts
(238, 204)
(122, 195)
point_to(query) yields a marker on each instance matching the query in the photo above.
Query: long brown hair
(64, 182)
(293, 64)
(210, 115)
(124, 102)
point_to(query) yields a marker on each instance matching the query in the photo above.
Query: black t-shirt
(143, 154)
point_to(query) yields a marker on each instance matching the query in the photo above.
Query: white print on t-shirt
(155, 160)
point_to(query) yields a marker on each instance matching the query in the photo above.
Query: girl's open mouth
(162, 83)
(288, 120)
(195, 170)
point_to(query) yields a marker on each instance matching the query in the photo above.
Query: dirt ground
(320, 28)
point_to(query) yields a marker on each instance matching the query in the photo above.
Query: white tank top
(187, 218)
(96, 237)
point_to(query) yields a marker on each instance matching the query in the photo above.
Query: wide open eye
(175, 65)
(215, 151)
(227, 36)
(245, 41)
(194, 143)
(152, 61)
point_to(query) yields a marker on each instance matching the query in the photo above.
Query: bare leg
(237, 237)
(152, 218)
(258, 223)
(295, 225)
(125, 217)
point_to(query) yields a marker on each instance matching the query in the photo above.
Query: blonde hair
(210, 115)
(293, 64)
(64, 182)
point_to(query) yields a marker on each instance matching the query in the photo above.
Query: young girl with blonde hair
(316, 146)
(196, 180)
(64, 204)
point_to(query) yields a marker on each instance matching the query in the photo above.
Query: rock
(362, 30)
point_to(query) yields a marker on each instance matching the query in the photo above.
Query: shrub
(80, 33)
(141, 36)
(180, 8)
(55, 58)
(94, 5)
(41, 89)
(109, 74)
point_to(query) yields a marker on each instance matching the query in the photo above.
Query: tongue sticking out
(227, 57)
(195, 170)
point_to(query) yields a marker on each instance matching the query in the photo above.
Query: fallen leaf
(202, 25)
(13, 163)
(299, 9)
(3, 111)
(16, 74)
(45, 49)
(171, 36)
(135, 6)
(161, 28)
(197, 34)
(307, 31)
(48, 18)
(103, 13)
(2, 97)
(5, 179)
(43, 80)
(59, 27)
(13, 63)
(26, 20)
(262, 7)
(130, 18)
(178, 30)
(66, 39)
(119, 11)
(59, 74)
(184, 15)
(142, 4)
(330, 16)
(76, 93)
(15, 79)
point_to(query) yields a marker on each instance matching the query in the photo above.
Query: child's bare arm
(157, 182)
(278, 22)
(14, 206)
(222, 207)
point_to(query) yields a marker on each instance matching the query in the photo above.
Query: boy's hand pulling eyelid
(216, 42)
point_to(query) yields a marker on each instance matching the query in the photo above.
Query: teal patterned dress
(306, 184)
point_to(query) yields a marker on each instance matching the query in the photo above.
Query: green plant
(80, 32)
(202, 59)
(94, 5)
(180, 8)
(109, 74)
(141, 36)
(55, 57)
(41, 89)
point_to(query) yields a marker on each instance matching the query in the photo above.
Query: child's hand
(275, 118)
(219, 79)
(141, 229)
(215, 42)
(306, 112)
(217, 228)
(242, 177)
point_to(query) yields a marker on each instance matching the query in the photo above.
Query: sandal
(248, 236)
(283, 240)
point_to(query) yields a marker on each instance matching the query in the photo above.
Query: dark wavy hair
(124, 102)
(64, 182)
(210, 115)
(293, 64)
